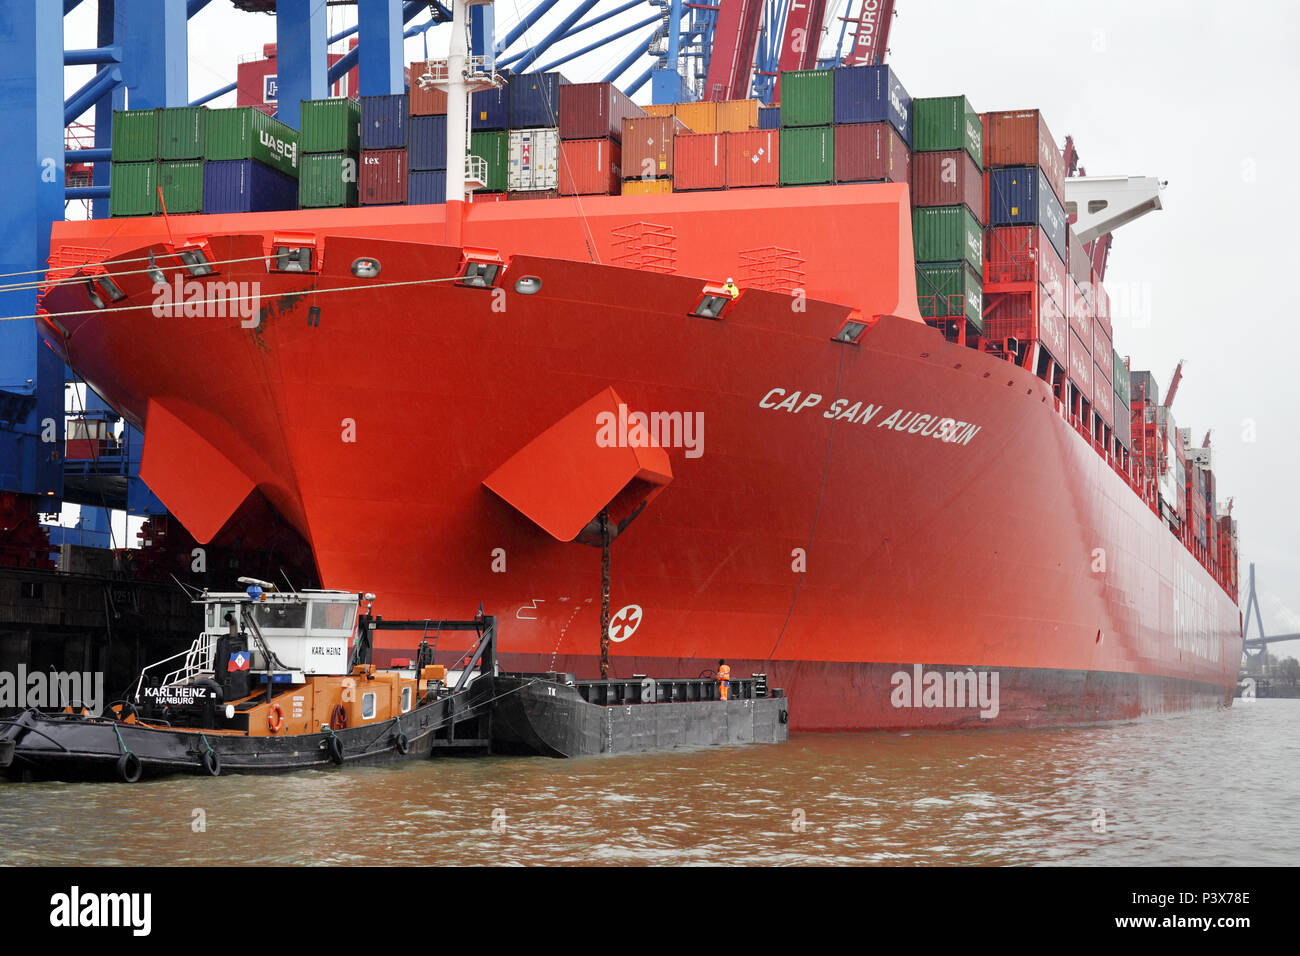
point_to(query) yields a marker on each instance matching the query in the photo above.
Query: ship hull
(853, 513)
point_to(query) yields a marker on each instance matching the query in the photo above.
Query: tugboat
(276, 681)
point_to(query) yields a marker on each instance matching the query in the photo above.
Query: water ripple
(1207, 788)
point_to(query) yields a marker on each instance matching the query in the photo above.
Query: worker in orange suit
(724, 680)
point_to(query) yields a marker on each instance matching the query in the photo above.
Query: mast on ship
(460, 75)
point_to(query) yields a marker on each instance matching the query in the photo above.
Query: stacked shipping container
(426, 141)
(533, 140)
(385, 124)
(1027, 283)
(215, 161)
(331, 144)
(591, 135)
(948, 214)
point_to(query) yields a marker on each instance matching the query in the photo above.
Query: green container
(950, 290)
(327, 180)
(495, 149)
(1121, 380)
(330, 126)
(946, 234)
(807, 155)
(133, 189)
(244, 132)
(182, 185)
(947, 122)
(180, 132)
(807, 98)
(135, 136)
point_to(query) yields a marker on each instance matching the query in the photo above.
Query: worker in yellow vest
(724, 680)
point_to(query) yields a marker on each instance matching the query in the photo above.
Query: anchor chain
(604, 593)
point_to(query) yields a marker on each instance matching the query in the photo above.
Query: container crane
(1173, 385)
(741, 62)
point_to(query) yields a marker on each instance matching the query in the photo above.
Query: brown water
(1215, 788)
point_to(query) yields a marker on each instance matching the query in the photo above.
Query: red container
(590, 167)
(383, 177)
(1101, 348)
(1081, 366)
(1080, 263)
(870, 152)
(1103, 402)
(1021, 138)
(648, 146)
(533, 194)
(594, 111)
(949, 178)
(700, 161)
(1080, 311)
(1101, 306)
(1023, 254)
(1012, 315)
(487, 197)
(754, 158)
(430, 102)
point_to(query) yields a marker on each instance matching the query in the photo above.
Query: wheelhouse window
(368, 706)
(281, 615)
(406, 699)
(332, 616)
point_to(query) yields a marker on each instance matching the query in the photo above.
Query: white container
(534, 160)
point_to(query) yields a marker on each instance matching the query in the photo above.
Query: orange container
(700, 161)
(736, 116)
(754, 158)
(589, 167)
(660, 109)
(699, 117)
(430, 102)
(646, 187)
(648, 146)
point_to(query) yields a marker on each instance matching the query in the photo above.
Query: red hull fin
(199, 484)
(564, 477)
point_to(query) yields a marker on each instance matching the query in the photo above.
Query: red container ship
(716, 416)
(839, 498)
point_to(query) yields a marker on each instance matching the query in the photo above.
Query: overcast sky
(1195, 92)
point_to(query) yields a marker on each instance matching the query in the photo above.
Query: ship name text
(912, 422)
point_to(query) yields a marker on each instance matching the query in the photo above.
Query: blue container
(872, 94)
(427, 143)
(383, 121)
(426, 186)
(1021, 195)
(245, 185)
(769, 117)
(490, 109)
(535, 100)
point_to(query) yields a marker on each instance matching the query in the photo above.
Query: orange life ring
(275, 719)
